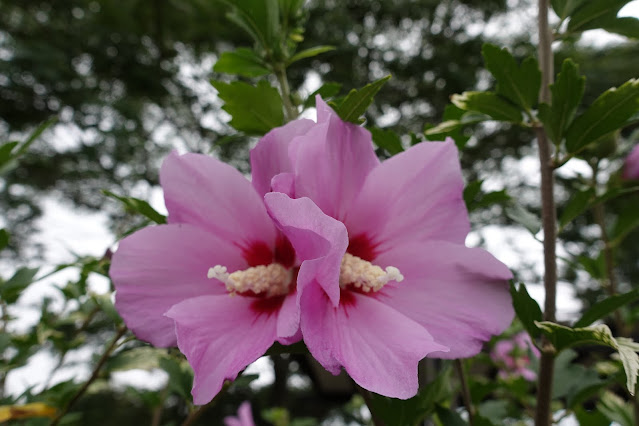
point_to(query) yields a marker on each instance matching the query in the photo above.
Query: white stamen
(364, 275)
(273, 279)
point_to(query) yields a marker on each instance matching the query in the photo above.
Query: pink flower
(512, 356)
(218, 280)
(631, 166)
(244, 416)
(386, 279)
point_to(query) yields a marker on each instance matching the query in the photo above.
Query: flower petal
(159, 266)
(378, 346)
(416, 195)
(319, 240)
(459, 294)
(203, 191)
(270, 156)
(288, 321)
(220, 336)
(331, 162)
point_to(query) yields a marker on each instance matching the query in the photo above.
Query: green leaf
(5, 152)
(526, 308)
(596, 267)
(593, 12)
(242, 62)
(579, 202)
(254, 109)
(326, 91)
(180, 376)
(309, 53)
(567, 93)
(4, 238)
(563, 337)
(518, 83)
(138, 206)
(572, 379)
(387, 139)
(358, 100)
(476, 199)
(449, 417)
(616, 409)
(452, 124)
(563, 8)
(627, 221)
(412, 411)
(606, 307)
(10, 290)
(259, 18)
(519, 214)
(625, 26)
(141, 358)
(609, 112)
(488, 103)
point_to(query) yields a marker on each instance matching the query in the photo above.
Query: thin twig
(96, 371)
(368, 399)
(468, 401)
(548, 213)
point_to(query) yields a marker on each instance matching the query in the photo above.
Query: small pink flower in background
(385, 279)
(218, 280)
(512, 357)
(244, 416)
(631, 166)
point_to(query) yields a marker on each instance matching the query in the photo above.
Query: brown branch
(468, 401)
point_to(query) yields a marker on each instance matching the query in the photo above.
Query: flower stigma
(268, 280)
(365, 276)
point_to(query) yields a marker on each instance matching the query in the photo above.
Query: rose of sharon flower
(244, 416)
(512, 356)
(218, 280)
(631, 166)
(385, 279)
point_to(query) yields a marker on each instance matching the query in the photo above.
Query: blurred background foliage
(129, 81)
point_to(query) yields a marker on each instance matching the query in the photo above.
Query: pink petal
(159, 266)
(331, 162)
(459, 294)
(414, 196)
(319, 240)
(244, 416)
(270, 156)
(288, 321)
(203, 191)
(220, 336)
(378, 346)
(631, 165)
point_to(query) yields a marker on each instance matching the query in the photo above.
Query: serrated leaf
(579, 202)
(255, 110)
(411, 411)
(138, 206)
(519, 83)
(242, 62)
(358, 100)
(489, 103)
(605, 307)
(609, 112)
(4, 238)
(326, 91)
(387, 139)
(520, 215)
(309, 53)
(616, 409)
(563, 337)
(526, 308)
(10, 290)
(593, 12)
(563, 8)
(567, 93)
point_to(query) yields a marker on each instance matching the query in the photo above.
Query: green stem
(290, 110)
(468, 401)
(548, 213)
(94, 375)
(368, 399)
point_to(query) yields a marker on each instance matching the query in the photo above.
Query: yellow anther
(269, 280)
(364, 275)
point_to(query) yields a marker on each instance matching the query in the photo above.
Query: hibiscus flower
(244, 416)
(218, 280)
(385, 278)
(512, 356)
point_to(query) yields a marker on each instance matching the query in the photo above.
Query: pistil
(268, 280)
(365, 276)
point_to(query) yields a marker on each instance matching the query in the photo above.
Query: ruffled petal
(331, 162)
(205, 192)
(288, 321)
(159, 266)
(270, 156)
(378, 346)
(319, 240)
(459, 294)
(414, 196)
(220, 336)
